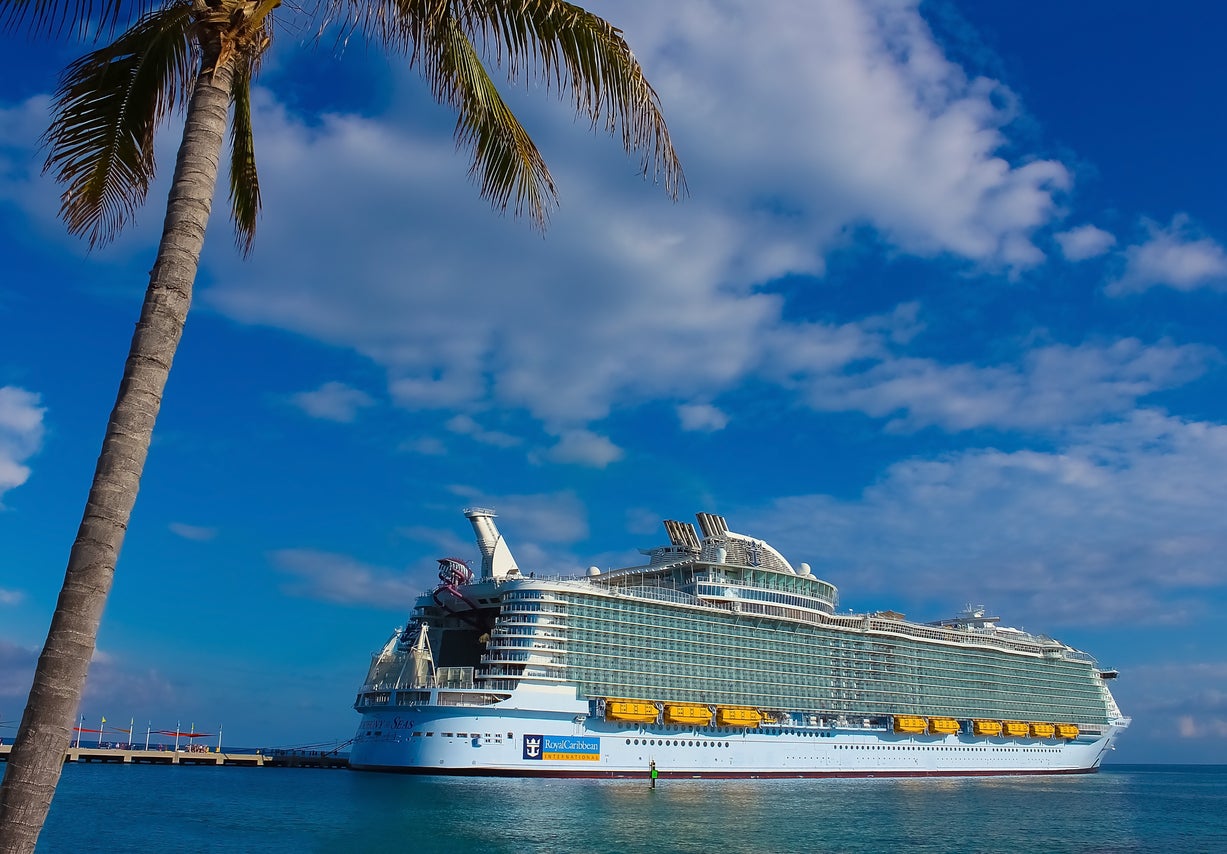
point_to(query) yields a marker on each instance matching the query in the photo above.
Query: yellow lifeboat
(1015, 729)
(1043, 730)
(639, 711)
(681, 714)
(910, 723)
(943, 726)
(986, 727)
(738, 716)
(1067, 731)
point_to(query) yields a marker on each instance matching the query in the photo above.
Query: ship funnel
(712, 525)
(496, 559)
(682, 534)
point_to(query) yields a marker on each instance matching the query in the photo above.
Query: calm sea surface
(1140, 808)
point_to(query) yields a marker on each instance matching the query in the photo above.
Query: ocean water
(1139, 808)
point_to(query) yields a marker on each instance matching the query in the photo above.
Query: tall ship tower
(715, 658)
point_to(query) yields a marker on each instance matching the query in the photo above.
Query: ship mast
(423, 661)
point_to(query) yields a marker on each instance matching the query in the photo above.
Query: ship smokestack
(496, 559)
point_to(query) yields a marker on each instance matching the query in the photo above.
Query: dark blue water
(150, 808)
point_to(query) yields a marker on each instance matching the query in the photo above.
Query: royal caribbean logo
(562, 747)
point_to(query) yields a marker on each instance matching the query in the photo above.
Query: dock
(272, 758)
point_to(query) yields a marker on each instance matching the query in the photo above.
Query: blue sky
(942, 316)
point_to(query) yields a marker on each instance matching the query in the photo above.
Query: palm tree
(206, 53)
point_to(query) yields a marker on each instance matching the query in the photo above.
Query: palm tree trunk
(37, 758)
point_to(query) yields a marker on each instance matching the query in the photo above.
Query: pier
(273, 758)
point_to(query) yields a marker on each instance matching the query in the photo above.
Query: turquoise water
(114, 808)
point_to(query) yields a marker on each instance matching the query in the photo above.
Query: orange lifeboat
(986, 727)
(913, 724)
(738, 716)
(676, 713)
(943, 726)
(635, 711)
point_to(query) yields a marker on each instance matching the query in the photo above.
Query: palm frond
(244, 182)
(559, 44)
(106, 110)
(565, 46)
(57, 17)
(505, 159)
(402, 25)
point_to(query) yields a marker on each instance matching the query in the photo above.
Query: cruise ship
(715, 657)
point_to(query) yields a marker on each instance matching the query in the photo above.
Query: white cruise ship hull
(509, 739)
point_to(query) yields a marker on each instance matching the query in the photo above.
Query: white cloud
(1189, 694)
(630, 297)
(701, 416)
(1052, 386)
(115, 683)
(465, 425)
(341, 579)
(584, 447)
(333, 401)
(192, 532)
(1085, 241)
(1175, 257)
(21, 434)
(1117, 524)
(16, 671)
(893, 134)
(427, 446)
(1190, 726)
(21, 126)
(10, 597)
